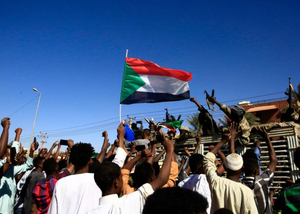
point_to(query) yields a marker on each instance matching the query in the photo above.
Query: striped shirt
(43, 191)
(260, 186)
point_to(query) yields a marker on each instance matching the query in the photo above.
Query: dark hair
(81, 154)
(146, 132)
(37, 161)
(223, 211)
(105, 174)
(62, 164)
(250, 164)
(249, 154)
(195, 161)
(50, 166)
(111, 158)
(142, 174)
(175, 200)
(297, 157)
(138, 134)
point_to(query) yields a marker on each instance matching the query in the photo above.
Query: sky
(73, 52)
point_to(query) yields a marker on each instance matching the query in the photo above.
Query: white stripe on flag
(163, 84)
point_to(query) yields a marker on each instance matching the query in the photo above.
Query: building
(268, 112)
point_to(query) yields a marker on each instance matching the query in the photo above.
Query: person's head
(151, 126)
(21, 160)
(62, 164)
(146, 133)
(237, 113)
(251, 167)
(297, 157)
(143, 173)
(38, 162)
(81, 154)
(108, 178)
(138, 134)
(249, 154)
(196, 163)
(175, 200)
(184, 132)
(223, 211)
(133, 126)
(233, 164)
(50, 166)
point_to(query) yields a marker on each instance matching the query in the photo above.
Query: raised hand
(225, 138)
(211, 99)
(233, 129)
(18, 130)
(54, 145)
(146, 153)
(121, 130)
(121, 133)
(44, 151)
(262, 132)
(104, 134)
(34, 146)
(5, 122)
(186, 149)
(168, 144)
(133, 150)
(70, 143)
(198, 138)
(20, 153)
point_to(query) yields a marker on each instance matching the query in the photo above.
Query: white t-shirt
(132, 203)
(79, 193)
(198, 183)
(75, 194)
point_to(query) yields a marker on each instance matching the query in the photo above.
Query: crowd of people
(141, 176)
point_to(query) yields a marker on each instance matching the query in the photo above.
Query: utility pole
(43, 136)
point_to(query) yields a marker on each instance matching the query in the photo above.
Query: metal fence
(284, 141)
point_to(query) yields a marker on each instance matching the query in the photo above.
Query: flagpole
(126, 55)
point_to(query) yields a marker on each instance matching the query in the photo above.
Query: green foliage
(250, 117)
(194, 123)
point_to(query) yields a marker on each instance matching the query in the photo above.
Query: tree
(194, 122)
(250, 117)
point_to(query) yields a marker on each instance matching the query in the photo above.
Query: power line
(111, 123)
(23, 106)
(217, 113)
(254, 97)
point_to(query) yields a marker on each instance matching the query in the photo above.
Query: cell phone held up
(140, 147)
(63, 142)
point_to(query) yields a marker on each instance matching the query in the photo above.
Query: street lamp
(37, 109)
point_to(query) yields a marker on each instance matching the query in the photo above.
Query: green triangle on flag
(131, 82)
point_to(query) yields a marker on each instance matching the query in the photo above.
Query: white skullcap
(234, 162)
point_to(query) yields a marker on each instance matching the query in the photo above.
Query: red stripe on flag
(149, 68)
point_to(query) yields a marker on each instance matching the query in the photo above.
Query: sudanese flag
(146, 82)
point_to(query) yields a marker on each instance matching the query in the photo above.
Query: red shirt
(42, 192)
